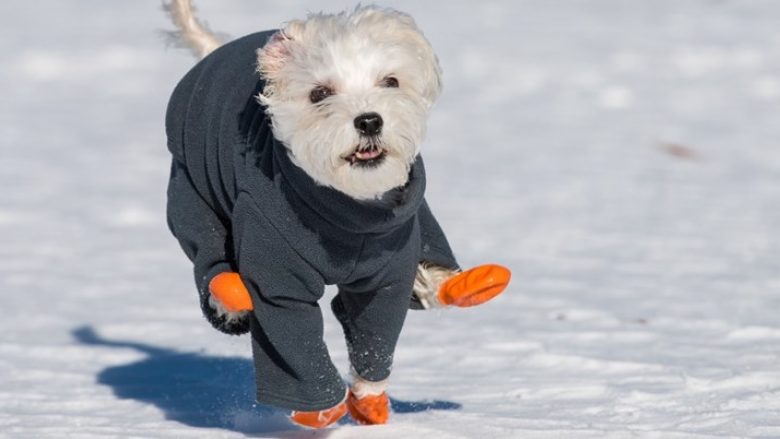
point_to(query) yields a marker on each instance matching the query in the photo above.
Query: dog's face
(349, 95)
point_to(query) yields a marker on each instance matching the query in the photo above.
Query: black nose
(369, 124)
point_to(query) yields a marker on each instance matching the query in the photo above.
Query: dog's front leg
(205, 239)
(372, 322)
(229, 297)
(439, 282)
(368, 402)
(436, 286)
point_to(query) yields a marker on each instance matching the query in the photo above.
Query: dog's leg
(368, 402)
(191, 33)
(428, 281)
(230, 318)
(205, 241)
(372, 322)
(437, 286)
(229, 298)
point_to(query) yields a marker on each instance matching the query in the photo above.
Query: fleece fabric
(237, 202)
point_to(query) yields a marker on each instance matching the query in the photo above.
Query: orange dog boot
(370, 409)
(229, 289)
(475, 286)
(319, 418)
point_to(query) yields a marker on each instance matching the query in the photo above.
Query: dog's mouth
(368, 156)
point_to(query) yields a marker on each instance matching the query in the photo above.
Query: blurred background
(621, 157)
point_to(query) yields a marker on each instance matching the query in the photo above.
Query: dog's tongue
(367, 155)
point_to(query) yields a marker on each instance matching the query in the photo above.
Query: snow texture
(621, 157)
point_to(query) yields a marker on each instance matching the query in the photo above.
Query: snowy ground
(621, 157)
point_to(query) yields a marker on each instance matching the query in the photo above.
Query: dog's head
(349, 95)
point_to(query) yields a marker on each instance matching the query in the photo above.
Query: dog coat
(237, 202)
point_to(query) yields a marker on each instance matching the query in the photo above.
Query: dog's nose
(369, 124)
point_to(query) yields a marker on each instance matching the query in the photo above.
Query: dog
(296, 164)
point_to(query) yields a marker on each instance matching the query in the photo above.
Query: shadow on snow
(206, 391)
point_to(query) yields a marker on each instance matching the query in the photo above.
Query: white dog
(303, 169)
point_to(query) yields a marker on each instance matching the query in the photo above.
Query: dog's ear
(431, 78)
(272, 57)
(431, 70)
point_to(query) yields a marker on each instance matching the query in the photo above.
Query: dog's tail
(191, 33)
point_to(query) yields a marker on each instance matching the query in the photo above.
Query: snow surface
(621, 157)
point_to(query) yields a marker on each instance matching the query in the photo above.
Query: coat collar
(394, 209)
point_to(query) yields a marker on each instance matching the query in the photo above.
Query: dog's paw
(229, 293)
(232, 323)
(228, 323)
(437, 286)
(474, 286)
(428, 281)
(367, 401)
(370, 409)
(230, 318)
(227, 304)
(319, 418)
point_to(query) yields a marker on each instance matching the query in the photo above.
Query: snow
(620, 157)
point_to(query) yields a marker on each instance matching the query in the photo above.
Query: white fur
(428, 281)
(350, 53)
(192, 33)
(231, 317)
(362, 388)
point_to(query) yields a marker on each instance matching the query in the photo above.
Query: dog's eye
(319, 93)
(389, 82)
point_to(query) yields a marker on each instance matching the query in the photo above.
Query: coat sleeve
(434, 246)
(292, 364)
(202, 235)
(372, 310)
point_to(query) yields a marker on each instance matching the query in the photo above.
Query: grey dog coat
(237, 202)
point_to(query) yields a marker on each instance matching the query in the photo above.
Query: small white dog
(297, 164)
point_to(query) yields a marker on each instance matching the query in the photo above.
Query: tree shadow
(206, 391)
